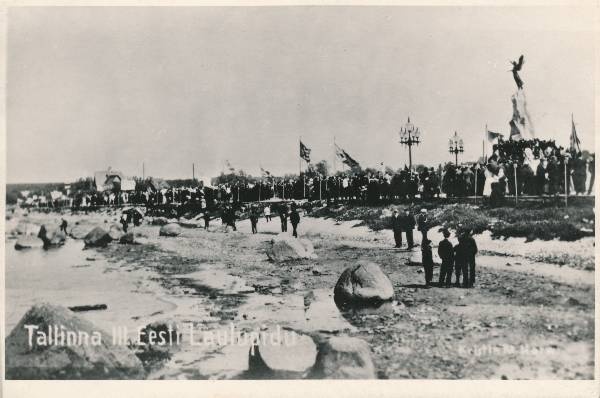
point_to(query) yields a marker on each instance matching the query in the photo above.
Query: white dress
(487, 185)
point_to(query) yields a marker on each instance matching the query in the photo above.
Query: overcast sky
(95, 87)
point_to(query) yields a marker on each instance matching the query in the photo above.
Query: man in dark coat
(460, 261)
(427, 259)
(206, 217)
(423, 224)
(408, 224)
(446, 253)
(253, 220)
(295, 220)
(283, 216)
(397, 228)
(471, 251)
(63, 226)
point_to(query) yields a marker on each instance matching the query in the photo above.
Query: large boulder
(159, 221)
(90, 355)
(80, 230)
(28, 242)
(282, 354)
(52, 236)
(116, 231)
(285, 247)
(170, 230)
(25, 228)
(342, 357)
(127, 239)
(364, 283)
(97, 237)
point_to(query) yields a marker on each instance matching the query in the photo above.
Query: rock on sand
(62, 361)
(284, 354)
(343, 358)
(285, 247)
(363, 284)
(116, 231)
(170, 230)
(97, 237)
(52, 236)
(28, 242)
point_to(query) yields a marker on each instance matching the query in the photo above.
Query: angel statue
(515, 71)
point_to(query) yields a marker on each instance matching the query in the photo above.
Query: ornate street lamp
(409, 136)
(455, 146)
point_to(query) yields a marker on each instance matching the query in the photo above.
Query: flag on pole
(575, 143)
(231, 169)
(265, 173)
(345, 158)
(304, 152)
(492, 136)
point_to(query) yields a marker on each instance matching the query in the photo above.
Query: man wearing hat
(471, 251)
(407, 225)
(423, 224)
(446, 253)
(397, 228)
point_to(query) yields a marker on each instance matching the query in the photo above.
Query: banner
(492, 136)
(304, 152)
(575, 143)
(345, 158)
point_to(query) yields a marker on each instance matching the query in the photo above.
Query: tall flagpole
(334, 157)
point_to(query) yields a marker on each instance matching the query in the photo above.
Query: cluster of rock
(287, 248)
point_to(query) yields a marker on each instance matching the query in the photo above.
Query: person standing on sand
(283, 216)
(427, 260)
(63, 226)
(253, 220)
(460, 261)
(206, 218)
(446, 253)
(471, 251)
(268, 213)
(295, 220)
(124, 222)
(408, 224)
(423, 224)
(397, 228)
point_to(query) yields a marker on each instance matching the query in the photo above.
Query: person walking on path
(283, 216)
(253, 220)
(63, 226)
(124, 222)
(446, 253)
(427, 259)
(206, 217)
(295, 220)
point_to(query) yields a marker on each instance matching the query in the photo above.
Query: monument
(521, 126)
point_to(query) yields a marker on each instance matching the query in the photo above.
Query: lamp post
(455, 146)
(409, 136)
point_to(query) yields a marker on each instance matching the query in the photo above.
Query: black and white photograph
(300, 192)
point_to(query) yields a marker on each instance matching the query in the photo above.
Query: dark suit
(295, 220)
(446, 253)
(283, 217)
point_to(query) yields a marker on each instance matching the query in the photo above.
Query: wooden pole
(566, 187)
(476, 171)
(516, 186)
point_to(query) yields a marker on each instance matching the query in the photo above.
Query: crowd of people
(526, 167)
(459, 259)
